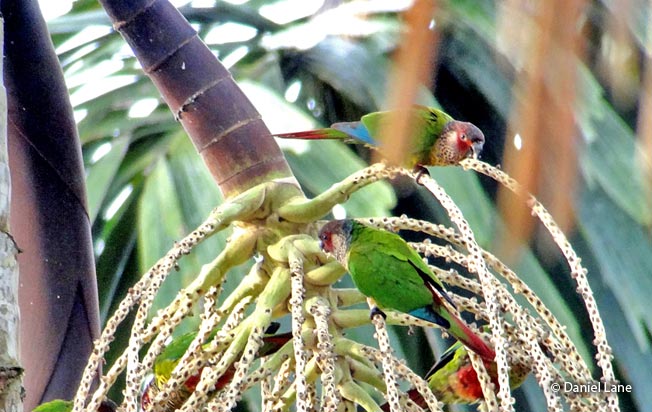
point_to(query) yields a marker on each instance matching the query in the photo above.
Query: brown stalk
(226, 129)
(543, 116)
(645, 132)
(412, 69)
(618, 58)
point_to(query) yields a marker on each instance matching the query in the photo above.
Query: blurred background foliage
(308, 63)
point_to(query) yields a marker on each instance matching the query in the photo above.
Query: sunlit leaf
(101, 173)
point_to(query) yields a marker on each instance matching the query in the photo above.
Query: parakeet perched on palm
(387, 270)
(60, 405)
(454, 381)
(436, 140)
(169, 358)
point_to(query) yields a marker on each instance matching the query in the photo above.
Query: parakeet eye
(325, 242)
(463, 137)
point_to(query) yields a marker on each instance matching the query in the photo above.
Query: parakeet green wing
(56, 405)
(60, 405)
(445, 359)
(403, 292)
(401, 265)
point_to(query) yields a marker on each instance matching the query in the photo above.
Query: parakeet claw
(421, 171)
(375, 310)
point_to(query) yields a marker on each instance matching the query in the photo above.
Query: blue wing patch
(428, 314)
(357, 131)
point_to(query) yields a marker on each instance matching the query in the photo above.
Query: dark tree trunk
(49, 220)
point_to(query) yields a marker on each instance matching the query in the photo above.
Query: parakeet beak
(321, 244)
(476, 148)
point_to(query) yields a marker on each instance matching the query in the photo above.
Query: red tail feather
(460, 331)
(312, 134)
(474, 342)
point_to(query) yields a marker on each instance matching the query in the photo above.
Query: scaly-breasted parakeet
(454, 381)
(437, 140)
(387, 270)
(169, 358)
(59, 405)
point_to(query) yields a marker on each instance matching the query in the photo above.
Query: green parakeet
(454, 381)
(437, 139)
(387, 270)
(59, 405)
(169, 358)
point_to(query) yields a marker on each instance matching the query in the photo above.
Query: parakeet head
(458, 141)
(334, 238)
(148, 389)
(473, 137)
